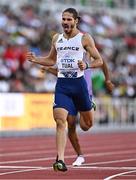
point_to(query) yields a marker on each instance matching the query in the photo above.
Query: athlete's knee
(60, 123)
(86, 125)
(85, 128)
(86, 121)
(89, 124)
(71, 124)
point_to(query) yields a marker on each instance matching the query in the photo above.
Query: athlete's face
(68, 22)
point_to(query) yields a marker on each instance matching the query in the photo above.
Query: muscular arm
(89, 45)
(105, 71)
(49, 60)
(108, 82)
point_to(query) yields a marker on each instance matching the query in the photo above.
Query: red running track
(108, 156)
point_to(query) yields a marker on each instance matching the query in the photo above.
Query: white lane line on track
(75, 167)
(30, 160)
(119, 174)
(20, 167)
(26, 170)
(110, 162)
(26, 153)
(30, 168)
(104, 168)
(72, 156)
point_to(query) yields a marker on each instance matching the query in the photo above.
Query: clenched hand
(81, 65)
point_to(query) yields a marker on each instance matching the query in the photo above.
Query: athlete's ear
(77, 21)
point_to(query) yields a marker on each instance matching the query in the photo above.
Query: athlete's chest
(71, 46)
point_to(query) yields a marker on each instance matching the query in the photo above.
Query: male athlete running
(71, 119)
(71, 90)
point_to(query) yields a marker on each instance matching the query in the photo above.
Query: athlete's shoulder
(55, 37)
(87, 35)
(87, 38)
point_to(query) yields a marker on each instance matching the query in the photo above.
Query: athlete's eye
(68, 19)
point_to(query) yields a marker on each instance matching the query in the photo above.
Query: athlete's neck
(72, 34)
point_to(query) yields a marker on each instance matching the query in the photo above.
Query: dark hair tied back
(72, 11)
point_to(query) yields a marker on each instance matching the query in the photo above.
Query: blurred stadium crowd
(29, 28)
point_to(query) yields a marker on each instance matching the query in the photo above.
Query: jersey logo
(69, 74)
(60, 41)
(68, 48)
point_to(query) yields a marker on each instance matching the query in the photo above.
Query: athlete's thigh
(71, 121)
(82, 99)
(83, 102)
(60, 114)
(64, 101)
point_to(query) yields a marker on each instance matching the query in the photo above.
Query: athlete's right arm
(49, 60)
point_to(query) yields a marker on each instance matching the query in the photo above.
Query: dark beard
(69, 29)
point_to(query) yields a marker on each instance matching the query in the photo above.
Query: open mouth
(66, 27)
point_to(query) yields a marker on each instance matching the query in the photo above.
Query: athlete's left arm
(89, 46)
(109, 84)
